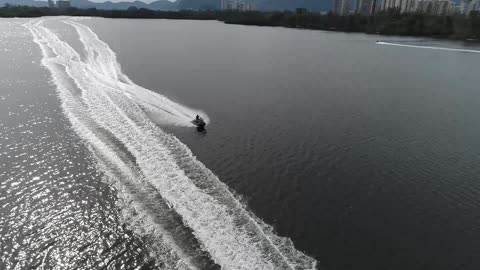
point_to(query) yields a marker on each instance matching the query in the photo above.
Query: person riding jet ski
(199, 122)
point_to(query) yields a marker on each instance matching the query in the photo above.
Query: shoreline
(390, 23)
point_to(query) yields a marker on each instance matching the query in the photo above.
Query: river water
(322, 150)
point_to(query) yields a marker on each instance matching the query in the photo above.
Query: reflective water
(56, 212)
(363, 155)
(174, 212)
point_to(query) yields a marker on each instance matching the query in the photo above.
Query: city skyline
(345, 7)
(432, 7)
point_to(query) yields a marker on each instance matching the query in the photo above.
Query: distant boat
(199, 122)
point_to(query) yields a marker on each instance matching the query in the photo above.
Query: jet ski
(199, 122)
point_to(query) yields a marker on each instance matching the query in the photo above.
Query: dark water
(364, 155)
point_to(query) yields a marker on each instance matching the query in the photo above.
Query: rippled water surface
(323, 147)
(120, 192)
(55, 213)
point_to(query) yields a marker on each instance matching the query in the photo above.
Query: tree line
(390, 22)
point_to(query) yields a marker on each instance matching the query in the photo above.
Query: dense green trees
(387, 23)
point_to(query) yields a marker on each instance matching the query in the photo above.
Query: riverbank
(385, 23)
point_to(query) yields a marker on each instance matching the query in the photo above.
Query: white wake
(118, 120)
(428, 47)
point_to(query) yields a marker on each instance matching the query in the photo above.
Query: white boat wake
(428, 47)
(168, 193)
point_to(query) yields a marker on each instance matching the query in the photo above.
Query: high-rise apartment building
(367, 7)
(236, 5)
(467, 6)
(342, 7)
(435, 7)
(403, 6)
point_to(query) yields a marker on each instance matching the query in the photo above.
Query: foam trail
(103, 61)
(113, 166)
(428, 47)
(114, 117)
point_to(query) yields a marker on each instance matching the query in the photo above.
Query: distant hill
(265, 5)
(157, 5)
(314, 5)
(198, 4)
(24, 3)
